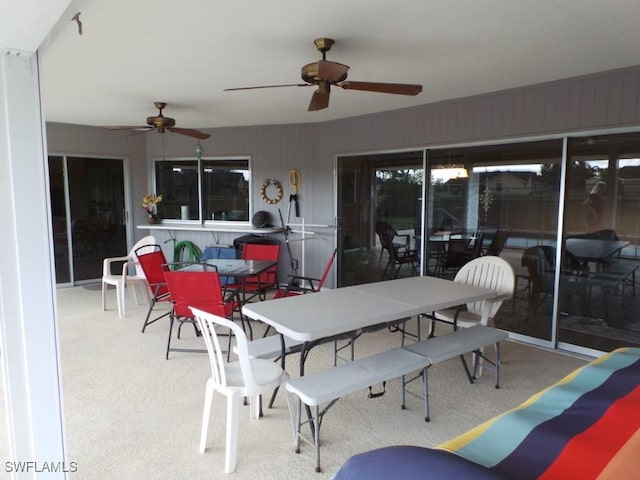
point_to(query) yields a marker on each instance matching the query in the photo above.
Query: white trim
(28, 328)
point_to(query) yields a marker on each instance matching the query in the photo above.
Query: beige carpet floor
(131, 414)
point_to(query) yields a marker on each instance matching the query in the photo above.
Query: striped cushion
(585, 426)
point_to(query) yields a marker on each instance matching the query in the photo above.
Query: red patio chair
(200, 290)
(151, 259)
(300, 284)
(257, 285)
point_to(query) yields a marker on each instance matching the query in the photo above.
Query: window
(212, 189)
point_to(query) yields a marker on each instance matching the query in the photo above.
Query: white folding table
(318, 317)
(327, 314)
(427, 294)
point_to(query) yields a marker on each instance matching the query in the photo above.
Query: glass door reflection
(601, 236)
(371, 189)
(500, 200)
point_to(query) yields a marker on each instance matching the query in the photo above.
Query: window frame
(200, 178)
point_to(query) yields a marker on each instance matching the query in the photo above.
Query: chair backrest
(151, 259)
(498, 241)
(457, 253)
(385, 233)
(488, 272)
(539, 258)
(197, 289)
(476, 248)
(147, 241)
(209, 325)
(405, 235)
(327, 269)
(539, 261)
(259, 251)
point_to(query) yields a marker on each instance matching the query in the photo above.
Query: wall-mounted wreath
(266, 194)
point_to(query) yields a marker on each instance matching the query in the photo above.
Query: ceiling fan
(324, 74)
(161, 124)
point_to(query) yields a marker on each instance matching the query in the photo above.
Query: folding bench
(327, 386)
(465, 340)
(331, 384)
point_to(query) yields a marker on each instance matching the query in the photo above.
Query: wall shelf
(208, 227)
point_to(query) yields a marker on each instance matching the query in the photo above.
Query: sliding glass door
(572, 232)
(88, 215)
(601, 242)
(503, 196)
(563, 212)
(376, 188)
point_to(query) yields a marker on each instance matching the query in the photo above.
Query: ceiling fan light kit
(324, 73)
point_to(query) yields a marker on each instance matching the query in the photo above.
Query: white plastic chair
(123, 279)
(236, 380)
(489, 272)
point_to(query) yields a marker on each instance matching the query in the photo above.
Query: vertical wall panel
(574, 107)
(614, 98)
(630, 98)
(600, 99)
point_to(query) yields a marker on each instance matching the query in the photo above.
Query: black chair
(474, 249)
(383, 228)
(399, 254)
(498, 242)
(457, 254)
(617, 268)
(540, 263)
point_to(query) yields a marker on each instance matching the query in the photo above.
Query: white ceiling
(132, 53)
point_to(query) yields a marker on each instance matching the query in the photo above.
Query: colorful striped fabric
(587, 426)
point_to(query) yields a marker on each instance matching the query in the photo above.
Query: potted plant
(150, 204)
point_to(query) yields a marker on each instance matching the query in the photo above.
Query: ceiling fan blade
(129, 127)
(395, 88)
(319, 101)
(332, 72)
(190, 132)
(268, 86)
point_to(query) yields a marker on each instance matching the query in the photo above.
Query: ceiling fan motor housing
(161, 122)
(310, 74)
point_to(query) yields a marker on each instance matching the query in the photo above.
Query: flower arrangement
(149, 203)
